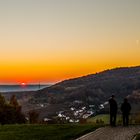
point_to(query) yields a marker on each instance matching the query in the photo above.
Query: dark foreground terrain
(44, 132)
(68, 132)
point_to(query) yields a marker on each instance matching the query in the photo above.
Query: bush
(33, 116)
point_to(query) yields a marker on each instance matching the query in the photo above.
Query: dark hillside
(95, 88)
(87, 90)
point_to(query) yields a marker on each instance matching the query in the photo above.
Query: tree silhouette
(10, 113)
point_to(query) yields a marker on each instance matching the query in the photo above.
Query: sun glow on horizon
(23, 84)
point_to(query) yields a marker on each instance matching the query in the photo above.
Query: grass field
(44, 132)
(104, 118)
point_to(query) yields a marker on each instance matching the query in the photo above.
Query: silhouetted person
(113, 110)
(125, 108)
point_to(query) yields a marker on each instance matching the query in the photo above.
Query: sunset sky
(51, 40)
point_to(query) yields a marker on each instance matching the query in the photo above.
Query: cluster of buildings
(77, 112)
(74, 114)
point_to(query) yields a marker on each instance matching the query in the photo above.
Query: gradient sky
(52, 40)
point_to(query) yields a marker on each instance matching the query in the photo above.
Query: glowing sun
(23, 84)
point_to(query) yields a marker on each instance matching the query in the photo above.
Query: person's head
(113, 96)
(125, 100)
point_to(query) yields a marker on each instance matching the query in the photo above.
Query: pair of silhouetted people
(125, 108)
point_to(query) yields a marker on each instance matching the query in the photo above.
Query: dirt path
(109, 133)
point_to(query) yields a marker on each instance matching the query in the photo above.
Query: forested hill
(87, 90)
(94, 88)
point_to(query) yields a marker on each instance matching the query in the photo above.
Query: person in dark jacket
(113, 110)
(125, 108)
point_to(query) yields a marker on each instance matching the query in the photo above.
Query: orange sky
(48, 41)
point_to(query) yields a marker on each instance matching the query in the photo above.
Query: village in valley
(77, 112)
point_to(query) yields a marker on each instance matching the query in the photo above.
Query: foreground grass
(44, 132)
(104, 117)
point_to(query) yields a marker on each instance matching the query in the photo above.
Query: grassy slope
(103, 117)
(43, 132)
